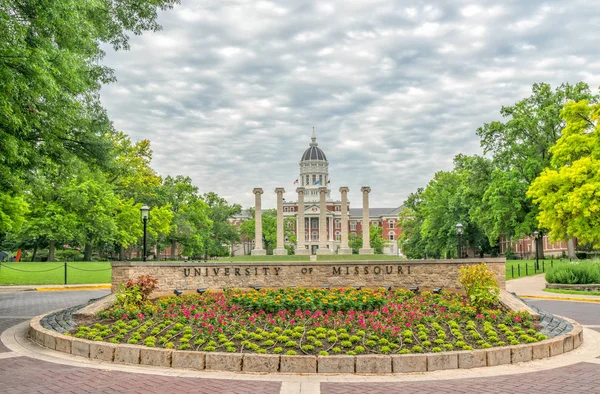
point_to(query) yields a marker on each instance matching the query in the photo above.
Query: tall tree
(567, 193)
(520, 147)
(223, 233)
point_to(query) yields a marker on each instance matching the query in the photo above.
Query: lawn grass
(358, 257)
(36, 273)
(577, 292)
(269, 258)
(520, 268)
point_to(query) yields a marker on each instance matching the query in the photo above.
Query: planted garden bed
(312, 321)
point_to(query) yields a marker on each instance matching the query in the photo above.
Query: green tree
(269, 229)
(375, 238)
(520, 147)
(223, 233)
(567, 193)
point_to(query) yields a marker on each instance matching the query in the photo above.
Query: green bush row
(581, 273)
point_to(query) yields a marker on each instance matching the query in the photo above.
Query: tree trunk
(571, 248)
(51, 249)
(121, 253)
(34, 252)
(540, 247)
(173, 249)
(87, 253)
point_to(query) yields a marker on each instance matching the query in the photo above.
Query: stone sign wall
(427, 274)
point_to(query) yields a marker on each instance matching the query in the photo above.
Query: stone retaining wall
(249, 362)
(588, 287)
(426, 274)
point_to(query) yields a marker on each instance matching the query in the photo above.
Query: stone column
(300, 230)
(280, 250)
(366, 225)
(344, 249)
(323, 222)
(258, 244)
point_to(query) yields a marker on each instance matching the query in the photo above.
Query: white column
(280, 250)
(258, 244)
(300, 231)
(344, 249)
(366, 225)
(323, 222)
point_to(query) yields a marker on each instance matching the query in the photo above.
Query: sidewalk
(532, 287)
(15, 289)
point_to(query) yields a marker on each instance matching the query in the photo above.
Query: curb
(82, 287)
(561, 298)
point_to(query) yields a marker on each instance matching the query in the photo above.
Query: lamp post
(459, 231)
(537, 261)
(144, 211)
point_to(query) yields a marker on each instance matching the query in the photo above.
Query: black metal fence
(59, 274)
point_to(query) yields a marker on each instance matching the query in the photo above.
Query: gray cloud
(228, 91)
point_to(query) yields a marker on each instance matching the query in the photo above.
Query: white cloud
(228, 91)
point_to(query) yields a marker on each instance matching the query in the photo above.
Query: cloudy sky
(228, 91)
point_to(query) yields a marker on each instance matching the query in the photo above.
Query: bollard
(512, 271)
(526, 270)
(65, 273)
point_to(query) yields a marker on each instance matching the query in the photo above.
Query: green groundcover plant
(312, 321)
(578, 272)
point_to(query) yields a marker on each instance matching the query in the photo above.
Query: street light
(144, 211)
(537, 261)
(459, 231)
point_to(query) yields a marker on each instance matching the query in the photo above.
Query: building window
(392, 236)
(338, 223)
(306, 236)
(307, 180)
(337, 208)
(315, 236)
(338, 236)
(391, 223)
(321, 180)
(315, 224)
(314, 179)
(353, 225)
(284, 209)
(286, 239)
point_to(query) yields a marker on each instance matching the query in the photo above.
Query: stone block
(260, 362)
(156, 357)
(188, 359)
(520, 353)
(39, 335)
(472, 359)
(540, 350)
(49, 339)
(63, 344)
(577, 340)
(224, 361)
(556, 347)
(102, 351)
(373, 364)
(298, 364)
(498, 356)
(80, 347)
(404, 363)
(127, 354)
(567, 343)
(439, 361)
(336, 364)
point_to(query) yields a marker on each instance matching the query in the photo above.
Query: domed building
(314, 173)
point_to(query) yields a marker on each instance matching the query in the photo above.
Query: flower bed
(312, 321)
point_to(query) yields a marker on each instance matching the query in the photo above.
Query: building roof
(313, 153)
(376, 211)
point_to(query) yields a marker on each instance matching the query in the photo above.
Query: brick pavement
(27, 375)
(576, 378)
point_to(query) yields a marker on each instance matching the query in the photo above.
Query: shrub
(582, 273)
(480, 284)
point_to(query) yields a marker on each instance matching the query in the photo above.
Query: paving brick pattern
(27, 375)
(577, 378)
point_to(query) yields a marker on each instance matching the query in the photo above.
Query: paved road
(582, 312)
(27, 375)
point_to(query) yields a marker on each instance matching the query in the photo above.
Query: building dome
(313, 152)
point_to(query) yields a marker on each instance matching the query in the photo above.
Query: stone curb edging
(564, 286)
(251, 362)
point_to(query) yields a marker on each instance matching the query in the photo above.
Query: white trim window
(353, 225)
(392, 235)
(338, 236)
(315, 235)
(391, 223)
(338, 223)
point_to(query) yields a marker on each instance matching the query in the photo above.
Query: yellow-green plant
(480, 284)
